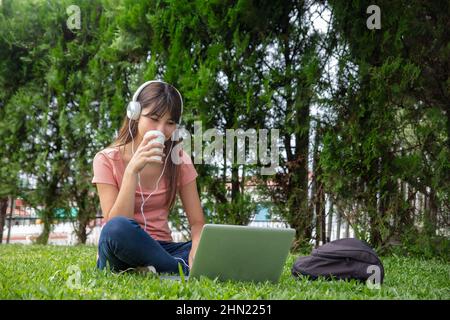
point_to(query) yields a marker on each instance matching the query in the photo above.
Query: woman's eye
(156, 119)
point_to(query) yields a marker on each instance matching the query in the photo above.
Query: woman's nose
(163, 129)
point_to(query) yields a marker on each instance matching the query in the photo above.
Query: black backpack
(341, 259)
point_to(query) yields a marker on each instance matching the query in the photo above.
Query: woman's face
(147, 122)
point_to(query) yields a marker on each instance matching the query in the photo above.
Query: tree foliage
(363, 114)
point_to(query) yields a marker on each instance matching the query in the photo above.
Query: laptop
(241, 253)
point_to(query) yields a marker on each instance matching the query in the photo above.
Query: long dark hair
(163, 98)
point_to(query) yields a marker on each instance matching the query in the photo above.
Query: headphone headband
(134, 107)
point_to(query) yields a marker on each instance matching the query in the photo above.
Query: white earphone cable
(184, 262)
(139, 178)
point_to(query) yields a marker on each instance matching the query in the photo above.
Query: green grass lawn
(50, 272)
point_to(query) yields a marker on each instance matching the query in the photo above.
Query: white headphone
(134, 106)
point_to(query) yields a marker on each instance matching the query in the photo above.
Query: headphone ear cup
(133, 110)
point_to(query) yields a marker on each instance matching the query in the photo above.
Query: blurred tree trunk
(3, 209)
(86, 214)
(347, 229)
(12, 207)
(338, 224)
(320, 218)
(323, 225)
(318, 192)
(330, 222)
(407, 212)
(430, 214)
(412, 196)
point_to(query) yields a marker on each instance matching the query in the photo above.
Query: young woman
(131, 238)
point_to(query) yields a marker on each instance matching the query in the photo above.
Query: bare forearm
(124, 205)
(196, 231)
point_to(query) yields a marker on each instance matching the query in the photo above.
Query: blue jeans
(124, 244)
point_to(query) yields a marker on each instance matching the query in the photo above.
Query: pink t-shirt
(108, 167)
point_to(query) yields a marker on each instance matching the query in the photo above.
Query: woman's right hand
(142, 155)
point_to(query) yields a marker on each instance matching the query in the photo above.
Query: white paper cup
(160, 138)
